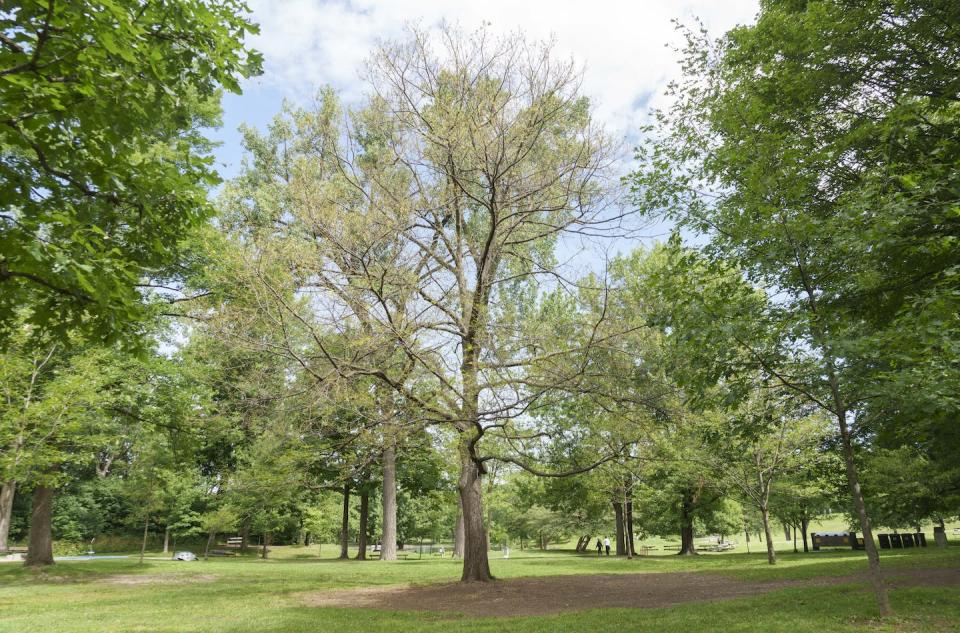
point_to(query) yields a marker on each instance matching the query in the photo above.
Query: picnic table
(723, 546)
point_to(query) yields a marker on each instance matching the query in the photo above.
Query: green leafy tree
(104, 166)
(816, 150)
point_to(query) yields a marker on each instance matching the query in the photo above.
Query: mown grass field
(244, 595)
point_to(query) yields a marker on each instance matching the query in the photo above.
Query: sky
(625, 48)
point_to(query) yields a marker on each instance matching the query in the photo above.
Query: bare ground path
(558, 594)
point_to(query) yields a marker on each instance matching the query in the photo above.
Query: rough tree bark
(364, 517)
(266, 545)
(630, 543)
(40, 547)
(6, 512)
(388, 545)
(476, 566)
(618, 513)
(786, 532)
(166, 539)
(804, 525)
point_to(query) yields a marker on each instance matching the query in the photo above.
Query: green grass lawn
(245, 595)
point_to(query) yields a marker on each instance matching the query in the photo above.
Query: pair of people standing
(601, 545)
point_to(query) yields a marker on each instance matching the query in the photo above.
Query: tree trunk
(388, 544)
(458, 536)
(6, 512)
(364, 517)
(618, 513)
(627, 536)
(687, 547)
(771, 552)
(804, 524)
(166, 540)
(245, 536)
(794, 539)
(786, 532)
(40, 548)
(853, 480)
(486, 531)
(211, 539)
(631, 546)
(266, 546)
(476, 566)
(146, 534)
(345, 525)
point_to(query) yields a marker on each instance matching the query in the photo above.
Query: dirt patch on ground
(155, 579)
(558, 594)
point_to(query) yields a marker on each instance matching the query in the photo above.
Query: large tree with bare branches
(421, 233)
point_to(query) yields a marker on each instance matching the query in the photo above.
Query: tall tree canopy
(422, 233)
(817, 150)
(103, 163)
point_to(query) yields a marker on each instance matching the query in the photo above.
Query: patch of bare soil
(155, 579)
(558, 594)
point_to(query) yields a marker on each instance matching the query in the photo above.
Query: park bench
(235, 541)
(18, 552)
(836, 539)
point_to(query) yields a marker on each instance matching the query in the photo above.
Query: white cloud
(307, 43)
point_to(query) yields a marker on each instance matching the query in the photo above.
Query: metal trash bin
(921, 539)
(884, 541)
(907, 540)
(895, 541)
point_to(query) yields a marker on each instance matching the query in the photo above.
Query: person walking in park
(606, 543)
(599, 548)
